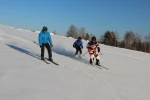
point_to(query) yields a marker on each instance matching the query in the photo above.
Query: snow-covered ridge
(24, 29)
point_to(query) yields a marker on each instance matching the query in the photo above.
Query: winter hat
(45, 28)
(93, 38)
(79, 38)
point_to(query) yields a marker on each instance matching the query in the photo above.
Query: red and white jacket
(92, 46)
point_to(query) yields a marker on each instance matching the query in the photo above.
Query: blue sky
(96, 16)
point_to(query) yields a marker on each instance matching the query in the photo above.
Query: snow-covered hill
(24, 77)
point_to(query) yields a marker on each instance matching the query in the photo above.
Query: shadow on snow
(59, 51)
(24, 51)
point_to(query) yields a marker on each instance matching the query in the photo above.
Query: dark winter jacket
(92, 45)
(78, 43)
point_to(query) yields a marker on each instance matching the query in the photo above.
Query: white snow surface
(24, 77)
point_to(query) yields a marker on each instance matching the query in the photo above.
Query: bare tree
(101, 39)
(87, 37)
(122, 44)
(82, 32)
(116, 38)
(90, 36)
(136, 42)
(114, 41)
(128, 39)
(72, 32)
(108, 38)
(147, 43)
(116, 35)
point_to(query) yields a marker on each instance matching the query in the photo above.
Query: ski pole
(84, 54)
(35, 43)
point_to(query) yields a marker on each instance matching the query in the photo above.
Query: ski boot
(42, 58)
(75, 55)
(91, 62)
(79, 55)
(50, 59)
(98, 62)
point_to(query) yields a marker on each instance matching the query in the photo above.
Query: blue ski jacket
(78, 43)
(44, 38)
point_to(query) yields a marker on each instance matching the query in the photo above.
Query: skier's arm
(74, 44)
(88, 46)
(98, 48)
(40, 39)
(81, 44)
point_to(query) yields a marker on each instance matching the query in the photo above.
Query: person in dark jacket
(78, 45)
(45, 41)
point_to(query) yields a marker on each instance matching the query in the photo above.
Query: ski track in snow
(76, 80)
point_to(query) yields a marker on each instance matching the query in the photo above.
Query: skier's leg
(97, 59)
(91, 58)
(96, 56)
(42, 52)
(80, 51)
(77, 50)
(49, 51)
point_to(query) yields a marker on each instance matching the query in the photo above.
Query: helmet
(45, 28)
(93, 38)
(79, 38)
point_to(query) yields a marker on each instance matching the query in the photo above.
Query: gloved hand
(98, 48)
(41, 45)
(81, 47)
(51, 45)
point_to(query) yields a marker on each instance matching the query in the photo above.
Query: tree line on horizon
(132, 41)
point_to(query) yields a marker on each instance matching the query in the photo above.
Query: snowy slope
(24, 77)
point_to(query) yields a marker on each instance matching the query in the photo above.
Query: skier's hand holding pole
(99, 50)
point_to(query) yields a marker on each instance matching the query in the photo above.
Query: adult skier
(45, 41)
(93, 47)
(78, 45)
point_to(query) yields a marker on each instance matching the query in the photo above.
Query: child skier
(92, 46)
(78, 45)
(45, 41)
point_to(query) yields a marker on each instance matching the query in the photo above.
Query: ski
(44, 61)
(101, 66)
(52, 62)
(97, 66)
(46, 58)
(104, 67)
(94, 65)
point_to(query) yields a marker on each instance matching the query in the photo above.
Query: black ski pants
(78, 49)
(48, 49)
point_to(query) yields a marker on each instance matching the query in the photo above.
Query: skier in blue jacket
(45, 41)
(78, 45)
